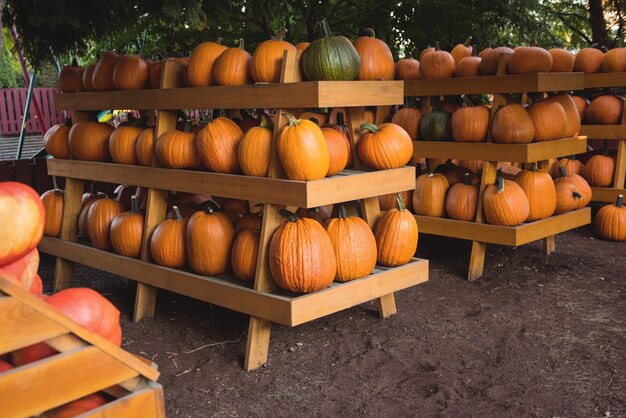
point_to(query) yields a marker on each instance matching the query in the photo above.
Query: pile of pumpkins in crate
(22, 221)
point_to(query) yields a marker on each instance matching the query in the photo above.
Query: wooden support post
(549, 243)
(477, 257)
(620, 165)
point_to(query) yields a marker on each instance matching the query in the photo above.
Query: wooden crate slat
(350, 186)
(22, 326)
(614, 132)
(606, 194)
(139, 404)
(46, 384)
(604, 80)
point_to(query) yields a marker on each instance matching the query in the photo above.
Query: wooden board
(346, 186)
(286, 309)
(308, 94)
(604, 80)
(603, 131)
(538, 82)
(511, 236)
(606, 194)
(520, 153)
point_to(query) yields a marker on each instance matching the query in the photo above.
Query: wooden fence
(12, 103)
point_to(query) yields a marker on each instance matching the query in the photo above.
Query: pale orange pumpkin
(56, 140)
(430, 194)
(549, 120)
(572, 116)
(200, 70)
(122, 144)
(376, 59)
(463, 50)
(512, 125)
(562, 60)
(303, 150)
(217, 145)
(209, 240)
(301, 46)
(232, 67)
(540, 192)
(253, 153)
(268, 57)
(167, 243)
(614, 61)
(89, 141)
(491, 60)
(396, 234)
(529, 59)
(470, 123)
(468, 67)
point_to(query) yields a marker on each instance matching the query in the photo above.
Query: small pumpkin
(53, 203)
(540, 191)
(177, 149)
(571, 165)
(232, 67)
(468, 67)
(102, 78)
(122, 144)
(339, 149)
(605, 110)
(470, 123)
(562, 60)
(455, 173)
(376, 59)
(396, 234)
(340, 126)
(463, 50)
(56, 140)
(88, 76)
(303, 150)
(409, 119)
(549, 120)
(461, 201)
(201, 67)
(248, 221)
(475, 166)
(512, 125)
(301, 255)
(529, 59)
(131, 73)
(235, 209)
(167, 243)
(144, 147)
(580, 185)
(437, 64)
(588, 61)
(505, 203)
(436, 125)
(99, 217)
(320, 214)
(70, 78)
(567, 198)
(209, 240)
(611, 221)
(253, 153)
(217, 145)
(599, 170)
(388, 201)
(354, 246)
(407, 68)
(384, 147)
(614, 61)
(429, 195)
(126, 231)
(491, 60)
(268, 57)
(245, 253)
(87, 200)
(89, 141)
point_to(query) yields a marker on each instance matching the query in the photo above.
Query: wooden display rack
(86, 364)
(609, 132)
(480, 232)
(261, 300)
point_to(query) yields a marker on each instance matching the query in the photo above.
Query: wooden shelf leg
(69, 230)
(258, 345)
(620, 166)
(477, 261)
(549, 244)
(145, 301)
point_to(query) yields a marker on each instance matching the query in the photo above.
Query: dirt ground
(536, 336)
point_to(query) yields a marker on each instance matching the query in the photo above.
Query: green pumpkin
(330, 58)
(436, 126)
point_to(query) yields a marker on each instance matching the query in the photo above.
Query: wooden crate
(86, 364)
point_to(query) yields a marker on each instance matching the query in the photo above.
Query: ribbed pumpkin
(490, 60)
(611, 221)
(253, 154)
(562, 60)
(301, 255)
(588, 61)
(437, 64)
(605, 110)
(567, 198)
(505, 203)
(126, 231)
(407, 69)
(461, 51)
(384, 147)
(571, 166)
(144, 147)
(376, 59)
(529, 59)
(177, 149)
(268, 58)
(99, 218)
(244, 254)
(475, 166)
(102, 78)
(235, 209)
(217, 145)
(53, 203)
(468, 67)
(354, 246)
(88, 76)
(87, 200)
(426, 51)
(512, 125)
(572, 117)
(337, 123)
(70, 78)
(249, 221)
(436, 126)
(320, 214)
(89, 141)
(167, 243)
(581, 105)
(486, 51)
(131, 73)
(232, 67)
(122, 144)
(396, 236)
(429, 195)
(56, 140)
(330, 57)
(339, 149)
(462, 200)
(599, 170)
(200, 70)
(409, 118)
(540, 191)
(549, 120)
(303, 150)
(579, 183)
(209, 240)
(388, 201)
(470, 123)
(614, 61)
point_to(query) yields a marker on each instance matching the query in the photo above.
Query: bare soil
(536, 336)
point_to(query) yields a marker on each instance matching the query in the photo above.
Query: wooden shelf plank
(538, 82)
(346, 186)
(603, 131)
(286, 309)
(308, 94)
(485, 151)
(511, 236)
(604, 80)
(606, 194)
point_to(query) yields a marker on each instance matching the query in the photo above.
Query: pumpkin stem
(605, 148)
(293, 121)
(340, 120)
(326, 33)
(467, 180)
(241, 44)
(134, 205)
(290, 216)
(562, 171)
(437, 48)
(620, 201)
(92, 188)
(559, 43)
(467, 100)
(187, 126)
(211, 207)
(400, 202)
(280, 35)
(265, 122)
(54, 182)
(219, 40)
(315, 121)
(577, 195)
(369, 127)
(500, 182)
(533, 167)
(369, 32)
(177, 215)
(604, 49)
(68, 122)
(468, 41)
(74, 62)
(341, 211)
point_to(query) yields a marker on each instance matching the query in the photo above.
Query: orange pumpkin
(87, 200)
(430, 194)
(605, 110)
(320, 214)
(209, 239)
(437, 64)
(468, 67)
(339, 125)
(567, 198)
(581, 104)
(455, 173)
(177, 149)
(396, 236)
(89, 141)
(426, 51)
(248, 221)
(562, 60)
(88, 76)
(303, 150)
(56, 140)
(339, 149)
(611, 221)
(407, 69)
(580, 185)
(540, 191)
(409, 118)
(388, 201)
(99, 217)
(549, 120)
(144, 147)
(512, 125)
(384, 147)
(126, 231)
(235, 209)
(491, 60)
(232, 67)
(461, 201)
(529, 59)
(200, 70)
(463, 50)
(599, 170)
(268, 58)
(102, 78)
(244, 254)
(253, 153)
(614, 61)
(475, 166)
(470, 123)
(301, 46)
(376, 59)
(505, 203)
(217, 145)
(167, 243)
(122, 144)
(571, 166)
(572, 117)
(53, 203)
(588, 61)
(301, 255)
(131, 73)
(70, 78)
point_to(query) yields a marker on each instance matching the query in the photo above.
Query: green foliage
(10, 71)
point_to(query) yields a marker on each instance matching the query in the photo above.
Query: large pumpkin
(605, 110)
(611, 221)
(268, 58)
(99, 218)
(468, 67)
(529, 59)
(126, 231)
(491, 59)
(354, 246)
(396, 236)
(253, 153)
(122, 144)
(131, 73)
(562, 60)
(200, 70)
(177, 149)
(512, 125)
(580, 185)
(144, 147)
(505, 203)
(303, 150)
(89, 141)
(470, 123)
(436, 126)
(462, 200)
(549, 120)
(232, 67)
(614, 61)
(376, 59)
(572, 116)
(407, 68)
(70, 78)
(330, 57)
(217, 145)
(56, 140)
(53, 202)
(384, 147)
(588, 61)
(437, 64)
(244, 254)
(571, 166)
(301, 255)
(461, 51)
(339, 149)
(167, 243)
(102, 78)
(409, 118)
(599, 170)
(430, 194)
(567, 198)
(540, 191)
(209, 240)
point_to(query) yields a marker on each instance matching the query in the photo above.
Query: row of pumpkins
(330, 58)
(19, 262)
(306, 150)
(212, 241)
